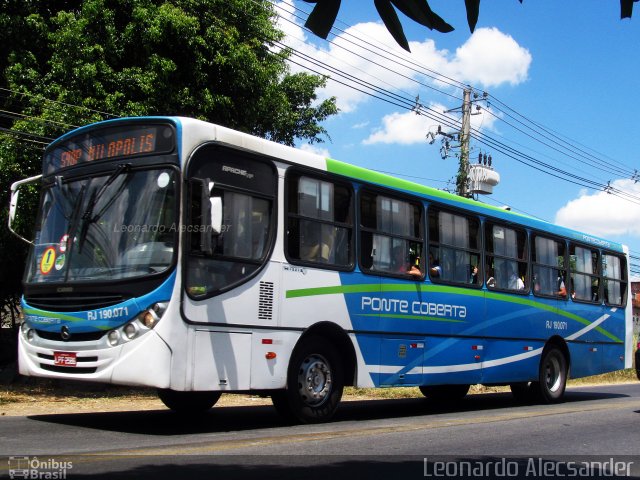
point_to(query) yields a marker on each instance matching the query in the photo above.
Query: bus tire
(442, 393)
(314, 383)
(188, 402)
(552, 377)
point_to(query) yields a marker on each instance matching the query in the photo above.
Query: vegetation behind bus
(64, 63)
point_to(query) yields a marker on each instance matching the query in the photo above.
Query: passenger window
(454, 242)
(506, 258)
(549, 271)
(585, 282)
(319, 225)
(391, 235)
(614, 279)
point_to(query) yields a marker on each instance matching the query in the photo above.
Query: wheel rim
(314, 380)
(553, 374)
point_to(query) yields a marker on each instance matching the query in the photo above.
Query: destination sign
(109, 143)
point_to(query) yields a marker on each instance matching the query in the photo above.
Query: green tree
(66, 63)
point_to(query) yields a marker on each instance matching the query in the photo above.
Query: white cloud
(403, 128)
(487, 59)
(603, 214)
(491, 58)
(408, 128)
(315, 149)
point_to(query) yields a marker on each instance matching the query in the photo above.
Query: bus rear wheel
(552, 376)
(188, 402)
(443, 393)
(314, 383)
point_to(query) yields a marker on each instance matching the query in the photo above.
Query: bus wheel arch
(343, 344)
(552, 375)
(316, 374)
(553, 371)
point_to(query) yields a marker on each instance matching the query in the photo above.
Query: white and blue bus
(181, 255)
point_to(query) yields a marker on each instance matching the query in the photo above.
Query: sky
(561, 79)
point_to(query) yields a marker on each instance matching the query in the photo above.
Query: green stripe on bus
(42, 313)
(400, 287)
(61, 316)
(365, 175)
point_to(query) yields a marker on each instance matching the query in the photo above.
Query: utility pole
(462, 180)
(471, 179)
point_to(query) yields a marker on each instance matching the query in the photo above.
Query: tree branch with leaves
(325, 12)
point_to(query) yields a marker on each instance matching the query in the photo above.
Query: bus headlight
(137, 327)
(130, 330)
(152, 315)
(113, 336)
(31, 334)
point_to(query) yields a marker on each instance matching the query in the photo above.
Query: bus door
(229, 236)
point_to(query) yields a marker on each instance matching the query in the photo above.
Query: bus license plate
(64, 359)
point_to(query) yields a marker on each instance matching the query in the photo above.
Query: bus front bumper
(144, 361)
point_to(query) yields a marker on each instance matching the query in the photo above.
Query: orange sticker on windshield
(48, 260)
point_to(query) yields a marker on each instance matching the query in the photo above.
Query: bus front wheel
(314, 383)
(552, 376)
(188, 402)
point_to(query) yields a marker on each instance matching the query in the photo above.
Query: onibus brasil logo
(35, 468)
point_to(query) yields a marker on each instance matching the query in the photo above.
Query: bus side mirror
(210, 215)
(13, 203)
(216, 215)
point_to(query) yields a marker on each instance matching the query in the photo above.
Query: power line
(56, 102)
(512, 152)
(551, 140)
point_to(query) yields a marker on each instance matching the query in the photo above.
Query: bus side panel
(403, 329)
(270, 355)
(401, 361)
(312, 296)
(221, 360)
(254, 303)
(453, 361)
(511, 361)
(599, 339)
(613, 357)
(586, 359)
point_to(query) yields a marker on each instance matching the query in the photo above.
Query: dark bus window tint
(454, 241)
(319, 225)
(506, 258)
(585, 281)
(614, 280)
(549, 271)
(391, 235)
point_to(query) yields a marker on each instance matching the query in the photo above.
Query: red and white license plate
(65, 359)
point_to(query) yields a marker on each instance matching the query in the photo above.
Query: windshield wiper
(73, 226)
(88, 217)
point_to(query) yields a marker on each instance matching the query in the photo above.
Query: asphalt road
(596, 427)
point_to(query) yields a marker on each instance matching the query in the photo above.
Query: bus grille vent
(265, 307)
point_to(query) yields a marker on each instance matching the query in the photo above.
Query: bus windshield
(119, 224)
